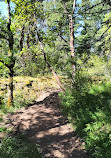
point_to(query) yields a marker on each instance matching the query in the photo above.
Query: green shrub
(89, 109)
(19, 147)
(88, 104)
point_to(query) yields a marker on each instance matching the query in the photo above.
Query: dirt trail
(44, 124)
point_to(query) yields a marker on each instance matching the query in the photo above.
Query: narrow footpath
(44, 124)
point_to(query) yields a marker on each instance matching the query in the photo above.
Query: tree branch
(63, 38)
(74, 4)
(3, 36)
(4, 63)
(101, 11)
(108, 2)
(94, 6)
(103, 33)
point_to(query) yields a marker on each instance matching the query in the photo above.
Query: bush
(90, 111)
(19, 147)
(88, 105)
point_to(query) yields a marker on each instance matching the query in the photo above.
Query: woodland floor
(44, 124)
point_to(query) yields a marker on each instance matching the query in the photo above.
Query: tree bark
(10, 55)
(22, 38)
(72, 48)
(28, 38)
(10, 93)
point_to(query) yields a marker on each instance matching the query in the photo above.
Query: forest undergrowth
(26, 91)
(90, 114)
(87, 105)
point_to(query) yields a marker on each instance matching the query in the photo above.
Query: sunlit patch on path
(44, 124)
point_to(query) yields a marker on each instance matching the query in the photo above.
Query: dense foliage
(19, 147)
(88, 107)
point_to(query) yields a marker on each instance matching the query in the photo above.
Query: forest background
(71, 39)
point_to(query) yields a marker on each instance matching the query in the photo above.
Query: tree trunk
(22, 38)
(10, 55)
(49, 66)
(28, 38)
(10, 93)
(72, 49)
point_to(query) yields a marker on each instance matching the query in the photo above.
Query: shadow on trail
(43, 123)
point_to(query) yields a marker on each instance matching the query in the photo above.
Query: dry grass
(27, 89)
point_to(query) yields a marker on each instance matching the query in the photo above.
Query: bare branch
(63, 38)
(74, 4)
(103, 33)
(108, 2)
(94, 13)
(94, 5)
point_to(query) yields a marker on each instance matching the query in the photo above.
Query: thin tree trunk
(28, 39)
(72, 48)
(10, 55)
(10, 93)
(49, 66)
(44, 68)
(22, 38)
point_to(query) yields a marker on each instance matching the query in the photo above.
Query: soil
(44, 124)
